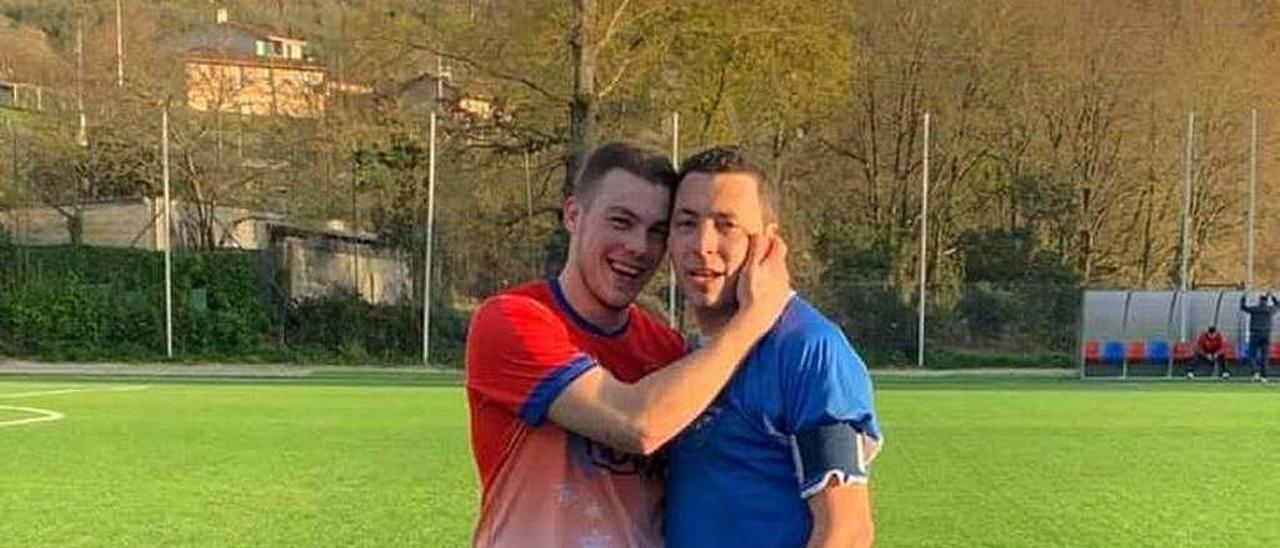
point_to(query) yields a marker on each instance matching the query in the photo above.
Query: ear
(571, 214)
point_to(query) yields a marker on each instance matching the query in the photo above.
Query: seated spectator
(1209, 350)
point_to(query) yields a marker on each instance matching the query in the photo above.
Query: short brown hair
(732, 159)
(637, 160)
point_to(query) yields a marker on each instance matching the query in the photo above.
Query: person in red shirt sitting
(1210, 350)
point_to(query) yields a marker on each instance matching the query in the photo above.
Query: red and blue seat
(1115, 352)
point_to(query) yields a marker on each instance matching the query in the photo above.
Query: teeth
(625, 269)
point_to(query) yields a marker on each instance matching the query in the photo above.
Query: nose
(705, 239)
(637, 243)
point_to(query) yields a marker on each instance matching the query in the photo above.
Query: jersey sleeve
(829, 413)
(520, 356)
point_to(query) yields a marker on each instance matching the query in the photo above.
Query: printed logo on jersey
(589, 454)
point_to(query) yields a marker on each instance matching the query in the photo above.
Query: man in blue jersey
(781, 458)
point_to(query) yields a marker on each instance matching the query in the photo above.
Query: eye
(685, 223)
(619, 223)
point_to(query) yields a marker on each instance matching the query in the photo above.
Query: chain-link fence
(315, 249)
(307, 240)
(300, 296)
(332, 296)
(965, 325)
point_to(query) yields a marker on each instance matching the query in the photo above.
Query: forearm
(663, 403)
(831, 535)
(641, 417)
(841, 518)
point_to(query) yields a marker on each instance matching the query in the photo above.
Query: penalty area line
(72, 391)
(41, 415)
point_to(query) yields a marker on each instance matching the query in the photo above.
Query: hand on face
(764, 283)
(713, 218)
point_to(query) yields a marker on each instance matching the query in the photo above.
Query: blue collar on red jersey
(563, 303)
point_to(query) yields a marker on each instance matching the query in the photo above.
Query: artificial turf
(351, 462)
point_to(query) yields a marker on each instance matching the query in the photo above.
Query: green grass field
(383, 461)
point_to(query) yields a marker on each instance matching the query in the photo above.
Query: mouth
(625, 270)
(703, 276)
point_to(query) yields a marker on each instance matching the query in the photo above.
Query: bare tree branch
(491, 71)
(610, 30)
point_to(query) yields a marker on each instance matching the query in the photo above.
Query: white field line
(42, 415)
(72, 391)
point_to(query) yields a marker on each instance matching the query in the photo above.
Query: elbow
(650, 445)
(645, 448)
(645, 438)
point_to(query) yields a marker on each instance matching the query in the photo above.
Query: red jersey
(1210, 343)
(541, 484)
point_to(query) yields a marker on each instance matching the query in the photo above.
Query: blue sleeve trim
(535, 409)
(826, 451)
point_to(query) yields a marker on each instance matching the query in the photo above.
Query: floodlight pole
(426, 276)
(119, 45)
(1253, 196)
(82, 133)
(528, 218)
(924, 241)
(21, 219)
(168, 236)
(1186, 222)
(675, 164)
(17, 181)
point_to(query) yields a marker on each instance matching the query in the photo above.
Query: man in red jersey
(1209, 351)
(572, 387)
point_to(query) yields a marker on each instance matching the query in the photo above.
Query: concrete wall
(133, 224)
(318, 262)
(320, 266)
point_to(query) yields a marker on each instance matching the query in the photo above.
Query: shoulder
(511, 306)
(512, 302)
(802, 326)
(521, 308)
(805, 339)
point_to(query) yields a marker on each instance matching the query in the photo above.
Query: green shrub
(350, 329)
(91, 303)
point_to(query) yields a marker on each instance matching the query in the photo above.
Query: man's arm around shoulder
(639, 418)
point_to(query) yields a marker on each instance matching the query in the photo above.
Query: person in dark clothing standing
(1260, 331)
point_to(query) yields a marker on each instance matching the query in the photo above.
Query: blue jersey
(740, 474)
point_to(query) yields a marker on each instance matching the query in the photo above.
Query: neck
(712, 319)
(586, 305)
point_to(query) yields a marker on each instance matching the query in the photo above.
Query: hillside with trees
(1056, 150)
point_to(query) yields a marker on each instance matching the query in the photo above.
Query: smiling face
(712, 218)
(618, 236)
